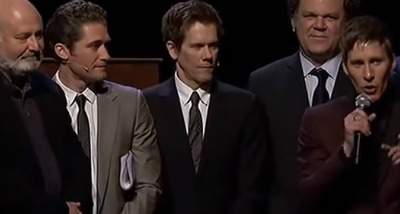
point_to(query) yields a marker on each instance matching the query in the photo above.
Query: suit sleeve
(320, 168)
(389, 200)
(252, 167)
(147, 162)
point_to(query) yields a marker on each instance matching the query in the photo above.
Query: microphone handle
(357, 142)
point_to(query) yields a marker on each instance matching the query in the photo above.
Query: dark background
(256, 34)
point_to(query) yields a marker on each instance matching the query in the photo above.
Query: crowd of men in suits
(317, 131)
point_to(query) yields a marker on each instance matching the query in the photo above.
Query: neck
(318, 60)
(193, 84)
(71, 80)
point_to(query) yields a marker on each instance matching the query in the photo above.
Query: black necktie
(321, 95)
(195, 129)
(83, 125)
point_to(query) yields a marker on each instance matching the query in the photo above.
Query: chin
(25, 67)
(101, 74)
(374, 98)
(207, 79)
(101, 77)
(319, 51)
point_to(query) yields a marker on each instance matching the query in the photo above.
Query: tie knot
(320, 73)
(195, 98)
(80, 100)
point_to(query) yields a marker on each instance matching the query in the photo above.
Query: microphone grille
(362, 101)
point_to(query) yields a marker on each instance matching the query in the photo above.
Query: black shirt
(23, 97)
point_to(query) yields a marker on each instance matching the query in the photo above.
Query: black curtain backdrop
(256, 34)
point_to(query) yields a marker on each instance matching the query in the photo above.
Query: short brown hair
(65, 25)
(365, 29)
(351, 7)
(179, 18)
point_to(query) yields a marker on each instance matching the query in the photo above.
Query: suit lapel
(178, 140)
(343, 85)
(107, 125)
(216, 113)
(296, 83)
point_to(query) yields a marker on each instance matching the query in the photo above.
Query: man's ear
(62, 51)
(393, 64)
(293, 24)
(172, 49)
(345, 69)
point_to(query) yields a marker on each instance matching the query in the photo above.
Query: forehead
(94, 31)
(22, 22)
(368, 50)
(322, 6)
(201, 32)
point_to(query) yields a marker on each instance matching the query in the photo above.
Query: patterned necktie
(195, 129)
(320, 95)
(83, 125)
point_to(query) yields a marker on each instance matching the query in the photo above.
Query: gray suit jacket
(125, 124)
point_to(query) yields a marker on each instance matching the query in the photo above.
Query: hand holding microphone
(356, 124)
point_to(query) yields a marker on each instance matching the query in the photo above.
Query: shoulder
(230, 92)
(128, 97)
(161, 88)
(44, 84)
(272, 70)
(121, 89)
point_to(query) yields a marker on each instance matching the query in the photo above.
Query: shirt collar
(185, 92)
(71, 94)
(331, 66)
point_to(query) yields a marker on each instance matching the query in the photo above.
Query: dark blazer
(281, 89)
(396, 74)
(330, 182)
(22, 181)
(229, 179)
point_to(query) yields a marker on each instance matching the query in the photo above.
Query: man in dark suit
(211, 139)
(43, 167)
(337, 175)
(290, 85)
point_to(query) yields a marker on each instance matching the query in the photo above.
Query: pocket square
(127, 172)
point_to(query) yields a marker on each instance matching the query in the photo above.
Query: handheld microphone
(362, 102)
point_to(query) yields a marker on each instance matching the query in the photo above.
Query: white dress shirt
(91, 112)
(184, 93)
(331, 66)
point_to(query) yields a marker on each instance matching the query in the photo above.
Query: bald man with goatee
(43, 168)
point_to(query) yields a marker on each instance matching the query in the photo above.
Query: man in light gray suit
(112, 121)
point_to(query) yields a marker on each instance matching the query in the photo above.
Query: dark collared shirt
(22, 94)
